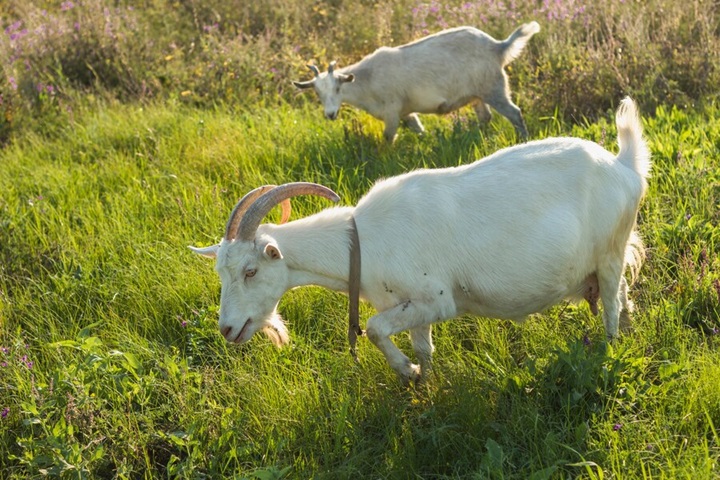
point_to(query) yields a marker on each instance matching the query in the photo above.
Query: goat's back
(463, 59)
(534, 218)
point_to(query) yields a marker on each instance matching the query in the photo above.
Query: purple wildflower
(4, 350)
(67, 5)
(13, 27)
(15, 35)
(13, 83)
(5, 412)
(183, 323)
(617, 427)
(586, 340)
(3, 364)
(28, 363)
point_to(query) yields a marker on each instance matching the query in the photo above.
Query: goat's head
(252, 270)
(327, 85)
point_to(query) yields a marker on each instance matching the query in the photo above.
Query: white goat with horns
(504, 237)
(436, 74)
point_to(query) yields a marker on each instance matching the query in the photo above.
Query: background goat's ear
(303, 85)
(210, 252)
(272, 252)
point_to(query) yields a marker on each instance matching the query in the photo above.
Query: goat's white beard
(274, 327)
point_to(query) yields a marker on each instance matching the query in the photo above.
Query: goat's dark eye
(250, 272)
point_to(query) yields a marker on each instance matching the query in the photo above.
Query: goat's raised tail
(634, 152)
(512, 46)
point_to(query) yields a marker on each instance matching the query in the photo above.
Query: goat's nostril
(225, 331)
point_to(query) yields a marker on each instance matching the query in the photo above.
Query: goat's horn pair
(260, 207)
(242, 206)
(314, 69)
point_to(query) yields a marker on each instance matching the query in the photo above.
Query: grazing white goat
(504, 237)
(436, 74)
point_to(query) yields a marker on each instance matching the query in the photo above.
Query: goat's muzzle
(227, 332)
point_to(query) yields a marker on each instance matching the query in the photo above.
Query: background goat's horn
(314, 70)
(331, 67)
(245, 203)
(257, 211)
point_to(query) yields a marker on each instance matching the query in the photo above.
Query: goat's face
(252, 270)
(254, 277)
(328, 86)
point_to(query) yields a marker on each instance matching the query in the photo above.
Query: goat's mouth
(243, 330)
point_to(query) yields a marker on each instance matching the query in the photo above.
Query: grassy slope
(113, 364)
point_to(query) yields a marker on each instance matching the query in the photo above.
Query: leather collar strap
(354, 329)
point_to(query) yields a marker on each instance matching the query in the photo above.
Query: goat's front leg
(413, 123)
(391, 127)
(413, 315)
(421, 338)
(482, 111)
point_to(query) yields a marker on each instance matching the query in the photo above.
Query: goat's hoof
(411, 375)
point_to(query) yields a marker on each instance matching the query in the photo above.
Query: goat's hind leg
(501, 102)
(611, 281)
(627, 307)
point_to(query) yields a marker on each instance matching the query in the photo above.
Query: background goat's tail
(634, 152)
(512, 46)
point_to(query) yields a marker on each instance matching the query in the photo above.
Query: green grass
(113, 366)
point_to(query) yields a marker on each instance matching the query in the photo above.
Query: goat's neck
(358, 93)
(317, 248)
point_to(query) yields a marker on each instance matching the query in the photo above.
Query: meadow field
(129, 129)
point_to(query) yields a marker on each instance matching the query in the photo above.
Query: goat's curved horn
(314, 69)
(257, 211)
(245, 203)
(331, 67)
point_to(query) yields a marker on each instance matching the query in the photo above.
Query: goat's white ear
(346, 78)
(272, 252)
(210, 252)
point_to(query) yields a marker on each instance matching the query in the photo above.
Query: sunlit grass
(113, 365)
